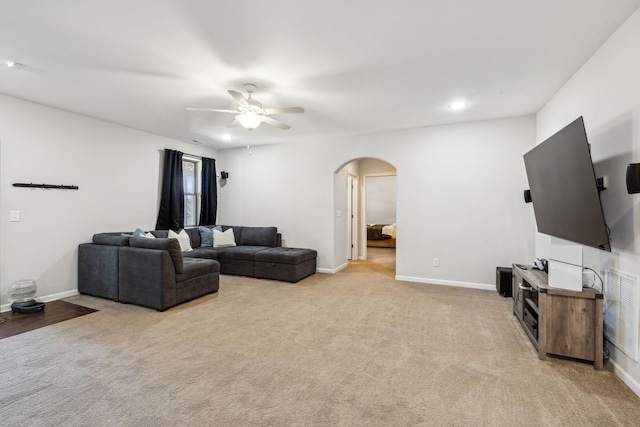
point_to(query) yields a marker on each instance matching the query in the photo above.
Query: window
(190, 179)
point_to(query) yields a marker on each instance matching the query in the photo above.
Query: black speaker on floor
(503, 281)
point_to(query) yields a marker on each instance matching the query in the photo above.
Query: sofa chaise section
(240, 260)
(153, 273)
(288, 264)
(258, 253)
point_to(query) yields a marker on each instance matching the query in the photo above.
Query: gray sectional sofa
(155, 273)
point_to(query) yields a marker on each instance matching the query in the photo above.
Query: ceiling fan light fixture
(249, 121)
(458, 105)
(250, 114)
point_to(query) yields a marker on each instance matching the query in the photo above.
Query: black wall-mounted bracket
(46, 186)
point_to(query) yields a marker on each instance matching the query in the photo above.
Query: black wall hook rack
(46, 186)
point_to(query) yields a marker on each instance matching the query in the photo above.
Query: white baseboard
(53, 297)
(480, 286)
(332, 270)
(625, 377)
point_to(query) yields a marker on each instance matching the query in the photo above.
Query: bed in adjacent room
(381, 235)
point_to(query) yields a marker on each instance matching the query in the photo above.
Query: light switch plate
(14, 216)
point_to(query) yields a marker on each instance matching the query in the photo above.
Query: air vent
(621, 311)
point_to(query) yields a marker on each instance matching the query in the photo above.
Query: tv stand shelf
(558, 322)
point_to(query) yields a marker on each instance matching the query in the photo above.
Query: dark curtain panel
(171, 213)
(209, 194)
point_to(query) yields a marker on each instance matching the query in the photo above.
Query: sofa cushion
(237, 231)
(170, 245)
(259, 236)
(223, 239)
(111, 239)
(194, 236)
(286, 255)
(246, 253)
(206, 235)
(161, 234)
(194, 267)
(140, 233)
(207, 253)
(183, 238)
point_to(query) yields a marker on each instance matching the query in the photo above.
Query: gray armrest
(98, 270)
(147, 278)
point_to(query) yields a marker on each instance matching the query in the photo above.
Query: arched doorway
(354, 209)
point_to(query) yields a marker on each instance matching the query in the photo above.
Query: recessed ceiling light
(457, 105)
(226, 137)
(15, 65)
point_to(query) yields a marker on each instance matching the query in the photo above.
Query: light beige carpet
(351, 349)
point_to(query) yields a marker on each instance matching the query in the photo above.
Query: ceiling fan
(250, 113)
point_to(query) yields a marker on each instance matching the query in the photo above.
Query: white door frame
(352, 217)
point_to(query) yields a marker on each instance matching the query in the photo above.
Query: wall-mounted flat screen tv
(564, 190)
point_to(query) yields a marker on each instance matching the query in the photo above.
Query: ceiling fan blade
(273, 122)
(240, 99)
(213, 109)
(284, 110)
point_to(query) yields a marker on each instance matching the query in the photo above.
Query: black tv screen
(564, 190)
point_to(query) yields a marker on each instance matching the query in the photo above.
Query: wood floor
(54, 312)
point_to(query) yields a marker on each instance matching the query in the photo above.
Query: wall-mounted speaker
(224, 175)
(633, 178)
(527, 196)
(601, 183)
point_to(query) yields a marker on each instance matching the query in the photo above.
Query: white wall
(606, 92)
(116, 168)
(459, 196)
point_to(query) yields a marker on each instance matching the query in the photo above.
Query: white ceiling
(355, 66)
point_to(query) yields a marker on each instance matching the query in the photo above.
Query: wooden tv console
(558, 321)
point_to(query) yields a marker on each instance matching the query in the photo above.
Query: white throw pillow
(183, 239)
(223, 239)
